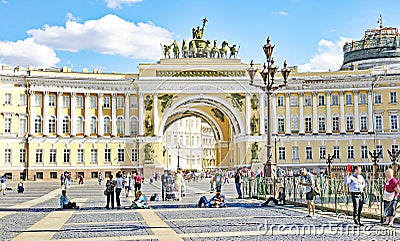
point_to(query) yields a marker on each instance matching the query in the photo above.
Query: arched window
(79, 125)
(65, 125)
(134, 125)
(38, 124)
(93, 125)
(52, 124)
(107, 123)
(120, 125)
(295, 123)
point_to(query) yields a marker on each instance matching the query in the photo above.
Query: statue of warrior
(175, 49)
(184, 49)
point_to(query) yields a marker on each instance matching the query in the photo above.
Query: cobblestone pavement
(34, 215)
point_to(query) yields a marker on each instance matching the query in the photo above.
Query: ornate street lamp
(375, 159)
(329, 162)
(268, 86)
(394, 156)
(178, 147)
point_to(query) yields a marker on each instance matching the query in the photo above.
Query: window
(282, 153)
(121, 155)
(280, 100)
(22, 99)
(187, 140)
(378, 98)
(79, 102)
(93, 155)
(321, 100)
(120, 125)
(38, 124)
(349, 99)
(307, 100)
(106, 103)
(107, 155)
(134, 102)
(363, 122)
(52, 101)
(22, 155)
(349, 123)
(378, 122)
(321, 123)
(350, 152)
(53, 175)
(335, 100)
(308, 125)
(38, 100)
(335, 123)
(295, 152)
(293, 100)
(7, 99)
(7, 155)
(66, 125)
(295, 123)
(67, 155)
(93, 102)
(22, 125)
(39, 175)
(364, 152)
(308, 153)
(120, 102)
(52, 158)
(336, 152)
(7, 125)
(80, 155)
(79, 124)
(134, 155)
(134, 125)
(65, 103)
(322, 152)
(395, 148)
(39, 155)
(281, 124)
(379, 150)
(107, 125)
(93, 125)
(393, 122)
(363, 99)
(52, 124)
(393, 97)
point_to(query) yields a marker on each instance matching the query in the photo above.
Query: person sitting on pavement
(20, 187)
(65, 203)
(217, 201)
(140, 201)
(277, 201)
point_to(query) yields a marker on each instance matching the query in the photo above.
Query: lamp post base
(270, 169)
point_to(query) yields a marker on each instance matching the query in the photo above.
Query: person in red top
(138, 182)
(390, 195)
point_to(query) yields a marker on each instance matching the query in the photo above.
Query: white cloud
(283, 13)
(107, 35)
(329, 56)
(72, 18)
(25, 53)
(119, 3)
(4, 1)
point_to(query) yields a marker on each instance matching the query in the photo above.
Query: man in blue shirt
(307, 180)
(356, 184)
(65, 203)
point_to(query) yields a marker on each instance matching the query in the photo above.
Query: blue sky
(117, 35)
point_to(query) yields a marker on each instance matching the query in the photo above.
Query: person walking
(390, 196)
(307, 180)
(66, 180)
(62, 179)
(164, 184)
(178, 184)
(118, 188)
(356, 184)
(138, 182)
(238, 183)
(127, 185)
(3, 184)
(218, 180)
(110, 184)
(100, 178)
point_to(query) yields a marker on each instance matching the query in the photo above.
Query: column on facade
(127, 117)
(73, 114)
(31, 112)
(100, 120)
(328, 113)
(287, 107)
(141, 114)
(370, 113)
(315, 112)
(342, 115)
(59, 113)
(155, 114)
(356, 113)
(248, 129)
(114, 114)
(87, 117)
(273, 116)
(301, 114)
(45, 113)
(262, 114)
